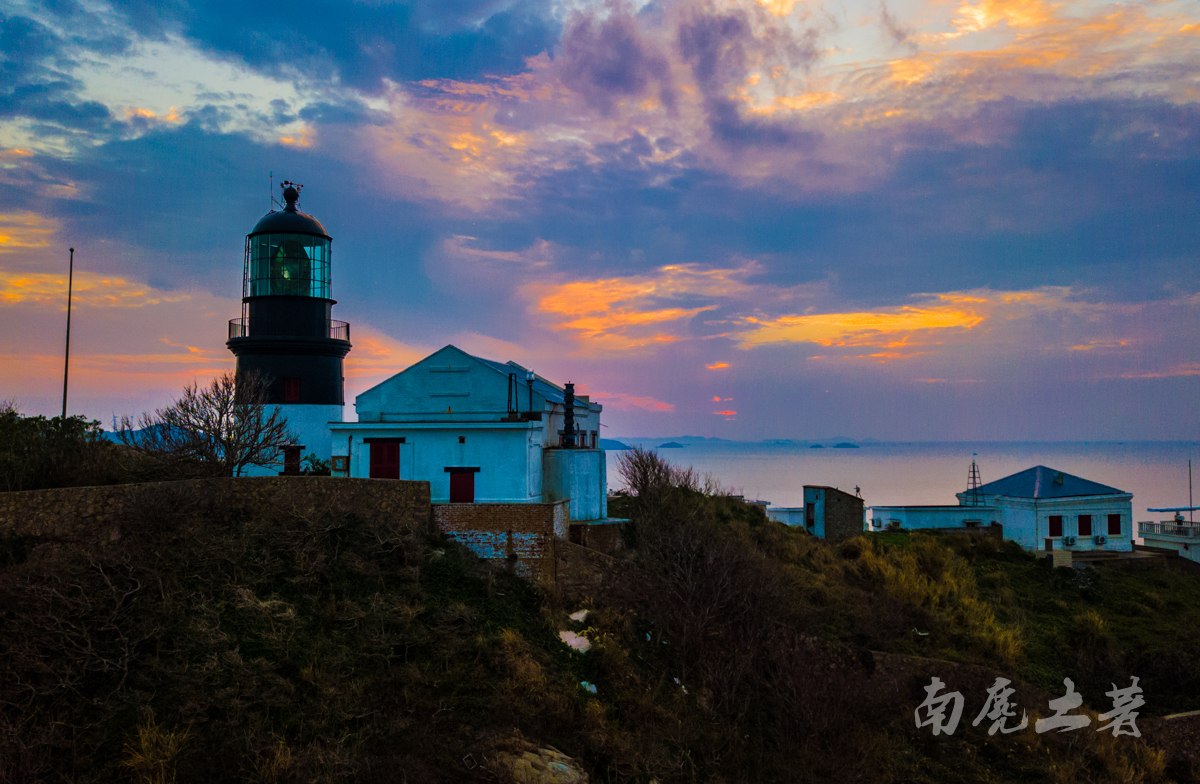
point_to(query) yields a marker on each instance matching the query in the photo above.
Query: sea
(890, 474)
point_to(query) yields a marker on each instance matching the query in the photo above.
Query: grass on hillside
(282, 645)
(1096, 625)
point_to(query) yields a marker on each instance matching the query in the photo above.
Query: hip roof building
(1040, 508)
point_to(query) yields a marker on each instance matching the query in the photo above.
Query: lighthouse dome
(289, 220)
(288, 254)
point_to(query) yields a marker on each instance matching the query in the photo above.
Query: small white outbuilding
(1040, 508)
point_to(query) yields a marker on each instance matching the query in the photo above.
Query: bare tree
(217, 430)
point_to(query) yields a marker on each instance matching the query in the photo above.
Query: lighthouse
(286, 332)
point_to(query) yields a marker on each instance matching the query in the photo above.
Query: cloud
(618, 314)
(644, 198)
(897, 33)
(35, 81)
(605, 59)
(721, 49)
(361, 45)
(622, 401)
(88, 290)
(873, 328)
(974, 17)
(24, 230)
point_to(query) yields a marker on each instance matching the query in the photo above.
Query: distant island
(845, 445)
(671, 445)
(612, 445)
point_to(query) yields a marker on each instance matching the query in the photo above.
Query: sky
(745, 219)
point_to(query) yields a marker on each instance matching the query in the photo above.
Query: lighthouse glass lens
(295, 265)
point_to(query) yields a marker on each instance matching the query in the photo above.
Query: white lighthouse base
(310, 425)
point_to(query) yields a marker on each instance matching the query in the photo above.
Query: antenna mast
(974, 498)
(67, 353)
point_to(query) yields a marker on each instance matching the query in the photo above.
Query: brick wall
(96, 513)
(519, 536)
(843, 515)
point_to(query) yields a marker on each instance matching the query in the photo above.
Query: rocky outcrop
(525, 763)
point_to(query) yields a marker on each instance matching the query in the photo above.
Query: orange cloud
(858, 329)
(25, 229)
(1015, 13)
(938, 323)
(622, 401)
(88, 289)
(1187, 369)
(717, 365)
(621, 313)
(725, 413)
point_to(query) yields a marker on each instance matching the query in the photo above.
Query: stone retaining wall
(78, 514)
(605, 537)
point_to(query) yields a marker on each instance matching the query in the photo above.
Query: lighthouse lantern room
(287, 333)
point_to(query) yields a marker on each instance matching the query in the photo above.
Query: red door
(385, 459)
(462, 487)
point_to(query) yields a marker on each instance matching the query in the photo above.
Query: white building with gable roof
(478, 431)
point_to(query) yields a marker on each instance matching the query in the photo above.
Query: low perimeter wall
(96, 513)
(519, 536)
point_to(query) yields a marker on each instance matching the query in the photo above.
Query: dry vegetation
(295, 645)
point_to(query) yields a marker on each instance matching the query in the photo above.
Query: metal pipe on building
(568, 436)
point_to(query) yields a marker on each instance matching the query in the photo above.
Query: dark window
(1114, 525)
(1085, 525)
(291, 390)
(810, 515)
(593, 439)
(385, 459)
(291, 459)
(462, 439)
(1056, 525)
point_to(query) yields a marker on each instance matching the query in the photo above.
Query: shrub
(38, 453)
(929, 575)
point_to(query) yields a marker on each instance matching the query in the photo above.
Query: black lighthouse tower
(286, 332)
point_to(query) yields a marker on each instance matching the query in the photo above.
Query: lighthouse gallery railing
(338, 330)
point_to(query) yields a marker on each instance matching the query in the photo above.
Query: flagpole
(67, 355)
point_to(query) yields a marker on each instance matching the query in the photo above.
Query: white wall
(310, 424)
(580, 475)
(1027, 521)
(787, 515)
(915, 517)
(501, 451)
(587, 421)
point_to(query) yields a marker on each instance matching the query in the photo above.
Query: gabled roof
(1040, 482)
(548, 390)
